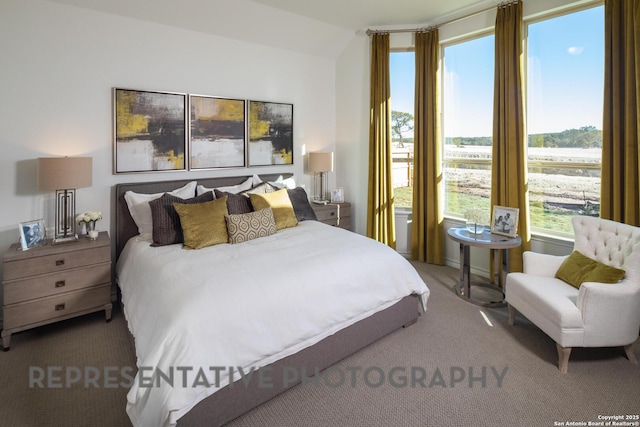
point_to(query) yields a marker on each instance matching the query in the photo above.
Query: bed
(217, 318)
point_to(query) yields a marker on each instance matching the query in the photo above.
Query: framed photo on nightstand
(337, 195)
(32, 233)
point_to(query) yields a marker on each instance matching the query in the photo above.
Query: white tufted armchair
(596, 314)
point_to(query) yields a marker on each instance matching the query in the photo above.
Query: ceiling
(315, 27)
(362, 14)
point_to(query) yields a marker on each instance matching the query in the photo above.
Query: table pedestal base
(461, 290)
(499, 245)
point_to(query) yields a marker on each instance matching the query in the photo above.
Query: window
(468, 125)
(402, 71)
(565, 78)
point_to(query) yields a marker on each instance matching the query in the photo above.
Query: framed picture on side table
(32, 233)
(337, 195)
(505, 221)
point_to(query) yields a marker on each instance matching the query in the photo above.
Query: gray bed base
(234, 400)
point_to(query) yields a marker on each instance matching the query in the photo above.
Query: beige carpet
(453, 341)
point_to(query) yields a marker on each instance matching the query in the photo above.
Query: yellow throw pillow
(203, 224)
(280, 203)
(578, 268)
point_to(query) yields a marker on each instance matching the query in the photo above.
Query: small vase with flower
(476, 220)
(89, 219)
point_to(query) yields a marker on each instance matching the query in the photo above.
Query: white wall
(352, 123)
(59, 64)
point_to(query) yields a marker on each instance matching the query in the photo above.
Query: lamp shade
(321, 162)
(61, 173)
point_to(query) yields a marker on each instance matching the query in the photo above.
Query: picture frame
(149, 131)
(32, 233)
(337, 195)
(217, 132)
(504, 221)
(270, 133)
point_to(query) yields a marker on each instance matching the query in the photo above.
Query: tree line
(584, 137)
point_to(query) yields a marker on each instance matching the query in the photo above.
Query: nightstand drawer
(345, 210)
(328, 213)
(52, 284)
(345, 222)
(333, 222)
(23, 314)
(56, 262)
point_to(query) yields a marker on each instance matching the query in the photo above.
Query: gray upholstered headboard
(126, 228)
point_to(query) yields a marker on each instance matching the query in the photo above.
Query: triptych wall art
(165, 131)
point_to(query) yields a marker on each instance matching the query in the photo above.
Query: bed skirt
(234, 400)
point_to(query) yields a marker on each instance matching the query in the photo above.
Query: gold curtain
(620, 181)
(380, 213)
(427, 225)
(509, 185)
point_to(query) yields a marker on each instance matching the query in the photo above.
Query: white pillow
(281, 182)
(141, 211)
(235, 189)
(255, 180)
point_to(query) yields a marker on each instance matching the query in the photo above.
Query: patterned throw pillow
(249, 226)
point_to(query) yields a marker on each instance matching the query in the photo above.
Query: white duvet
(246, 305)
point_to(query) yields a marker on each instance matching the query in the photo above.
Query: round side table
(494, 242)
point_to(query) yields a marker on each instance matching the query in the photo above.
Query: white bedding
(247, 305)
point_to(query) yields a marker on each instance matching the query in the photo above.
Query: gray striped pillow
(167, 229)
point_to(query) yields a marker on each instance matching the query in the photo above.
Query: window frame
(454, 41)
(527, 22)
(455, 34)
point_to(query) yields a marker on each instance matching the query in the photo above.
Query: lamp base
(320, 202)
(65, 239)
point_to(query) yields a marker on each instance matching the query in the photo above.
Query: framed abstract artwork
(217, 132)
(270, 133)
(149, 131)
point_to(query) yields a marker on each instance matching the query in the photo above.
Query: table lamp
(320, 163)
(64, 175)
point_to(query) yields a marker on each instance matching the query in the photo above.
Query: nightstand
(50, 283)
(336, 214)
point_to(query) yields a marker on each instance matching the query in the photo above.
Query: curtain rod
(451, 21)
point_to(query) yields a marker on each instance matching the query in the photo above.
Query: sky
(565, 73)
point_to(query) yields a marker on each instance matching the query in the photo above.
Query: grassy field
(556, 193)
(541, 217)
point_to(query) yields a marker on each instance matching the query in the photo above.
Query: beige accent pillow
(249, 226)
(203, 224)
(280, 203)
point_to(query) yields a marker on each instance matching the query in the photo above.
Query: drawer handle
(59, 307)
(59, 262)
(60, 283)
(332, 213)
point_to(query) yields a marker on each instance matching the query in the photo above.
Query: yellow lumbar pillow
(578, 268)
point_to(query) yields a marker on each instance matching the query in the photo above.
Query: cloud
(575, 50)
